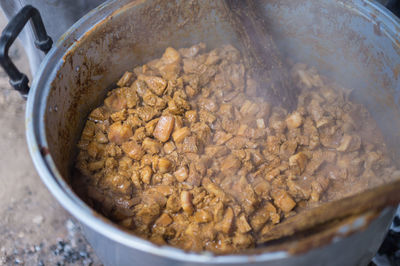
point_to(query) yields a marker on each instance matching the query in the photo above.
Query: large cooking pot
(356, 42)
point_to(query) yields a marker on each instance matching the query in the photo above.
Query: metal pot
(356, 42)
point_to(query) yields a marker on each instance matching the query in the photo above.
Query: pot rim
(51, 177)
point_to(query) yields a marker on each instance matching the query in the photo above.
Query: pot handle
(17, 79)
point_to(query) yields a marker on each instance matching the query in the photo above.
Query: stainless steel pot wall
(357, 42)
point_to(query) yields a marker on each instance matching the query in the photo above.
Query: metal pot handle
(17, 79)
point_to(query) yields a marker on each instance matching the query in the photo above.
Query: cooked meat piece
(206, 116)
(215, 151)
(242, 241)
(99, 114)
(231, 163)
(349, 143)
(287, 149)
(181, 174)
(163, 220)
(88, 131)
(133, 150)
(277, 122)
(169, 147)
(146, 113)
(260, 123)
(115, 102)
(119, 116)
(164, 128)
(202, 216)
(226, 224)
(150, 126)
(202, 131)
(294, 120)
(180, 134)
(191, 116)
(146, 174)
(221, 137)
(260, 217)
(125, 80)
(151, 146)
(119, 133)
(192, 51)
(242, 224)
(194, 177)
(173, 203)
(164, 165)
(186, 202)
(318, 187)
(186, 151)
(298, 162)
(169, 64)
(190, 144)
(118, 183)
(214, 189)
(156, 84)
(283, 200)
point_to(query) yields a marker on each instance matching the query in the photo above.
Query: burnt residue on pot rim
(52, 175)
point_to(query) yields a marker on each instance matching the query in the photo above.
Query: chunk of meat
(191, 116)
(298, 161)
(156, 84)
(126, 79)
(146, 113)
(115, 102)
(260, 217)
(192, 51)
(169, 147)
(349, 143)
(164, 165)
(231, 163)
(164, 128)
(242, 224)
(180, 134)
(202, 216)
(214, 189)
(221, 137)
(190, 144)
(146, 174)
(294, 120)
(227, 222)
(151, 146)
(216, 151)
(283, 200)
(133, 150)
(173, 204)
(119, 133)
(186, 202)
(181, 174)
(99, 114)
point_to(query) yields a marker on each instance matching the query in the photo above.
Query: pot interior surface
(342, 39)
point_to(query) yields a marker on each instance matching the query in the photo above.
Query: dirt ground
(34, 228)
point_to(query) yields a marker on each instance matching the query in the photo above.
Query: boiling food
(183, 152)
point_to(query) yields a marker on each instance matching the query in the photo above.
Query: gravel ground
(34, 228)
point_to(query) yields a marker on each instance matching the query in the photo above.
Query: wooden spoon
(373, 199)
(261, 54)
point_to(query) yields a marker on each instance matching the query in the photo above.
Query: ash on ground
(70, 250)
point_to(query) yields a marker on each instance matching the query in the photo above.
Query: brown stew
(184, 153)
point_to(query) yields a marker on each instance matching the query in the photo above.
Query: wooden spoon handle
(373, 199)
(261, 54)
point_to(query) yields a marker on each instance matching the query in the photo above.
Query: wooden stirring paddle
(261, 54)
(373, 199)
